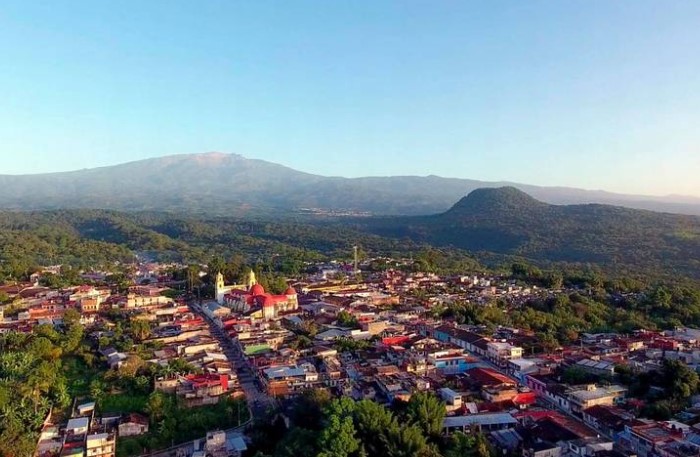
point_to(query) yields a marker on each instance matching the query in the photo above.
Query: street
(258, 402)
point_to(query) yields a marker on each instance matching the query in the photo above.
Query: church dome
(290, 291)
(257, 289)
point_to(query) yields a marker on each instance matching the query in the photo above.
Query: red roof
(257, 289)
(488, 377)
(290, 291)
(525, 398)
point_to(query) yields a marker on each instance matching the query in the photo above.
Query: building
(140, 301)
(202, 389)
(133, 424)
(502, 353)
(452, 399)
(481, 422)
(100, 445)
(593, 395)
(244, 300)
(645, 439)
(452, 362)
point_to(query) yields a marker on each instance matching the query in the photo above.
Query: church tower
(251, 279)
(219, 288)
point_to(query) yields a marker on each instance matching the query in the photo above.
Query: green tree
(372, 422)
(345, 319)
(141, 329)
(338, 439)
(156, 406)
(97, 390)
(427, 411)
(298, 442)
(472, 445)
(405, 441)
(680, 381)
(308, 408)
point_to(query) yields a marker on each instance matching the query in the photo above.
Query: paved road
(258, 402)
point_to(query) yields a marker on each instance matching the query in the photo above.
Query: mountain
(491, 225)
(229, 184)
(510, 222)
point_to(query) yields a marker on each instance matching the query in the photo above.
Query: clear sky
(591, 93)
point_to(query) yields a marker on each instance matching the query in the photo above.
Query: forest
(325, 427)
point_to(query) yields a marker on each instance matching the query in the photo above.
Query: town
(166, 369)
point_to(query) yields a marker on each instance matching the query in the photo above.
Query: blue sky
(596, 94)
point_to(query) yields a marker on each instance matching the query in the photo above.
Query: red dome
(257, 289)
(290, 291)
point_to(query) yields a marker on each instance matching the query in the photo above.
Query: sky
(595, 94)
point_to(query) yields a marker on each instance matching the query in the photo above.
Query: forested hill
(508, 221)
(99, 238)
(494, 225)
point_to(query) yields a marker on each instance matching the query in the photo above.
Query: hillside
(97, 238)
(494, 225)
(229, 184)
(508, 221)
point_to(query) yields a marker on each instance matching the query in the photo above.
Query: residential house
(133, 424)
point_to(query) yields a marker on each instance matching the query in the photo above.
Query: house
(542, 449)
(78, 426)
(452, 361)
(590, 446)
(202, 389)
(452, 399)
(482, 422)
(519, 368)
(133, 424)
(599, 367)
(100, 445)
(609, 420)
(574, 399)
(501, 353)
(508, 440)
(284, 379)
(470, 341)
(592, 395)
(644, 438)
(114, 358)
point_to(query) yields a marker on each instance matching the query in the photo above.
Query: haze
(584, 94)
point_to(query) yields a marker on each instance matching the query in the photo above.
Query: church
(245, 298)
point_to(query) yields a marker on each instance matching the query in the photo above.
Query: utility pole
(354, 249)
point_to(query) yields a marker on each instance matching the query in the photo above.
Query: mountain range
(229, 184)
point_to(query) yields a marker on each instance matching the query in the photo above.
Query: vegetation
(590, 302)
(325, 427)
(666, 391)
(33, 382)
(506, 221)
(172, 423)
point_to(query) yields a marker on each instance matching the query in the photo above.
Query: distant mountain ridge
(229, 184)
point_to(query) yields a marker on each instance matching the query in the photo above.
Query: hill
(493, 225)
(100, 238)
(229, 184)
(507, 221)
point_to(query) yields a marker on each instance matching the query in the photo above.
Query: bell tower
(219, 288)
(251, 279)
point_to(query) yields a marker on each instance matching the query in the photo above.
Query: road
(258, 402)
